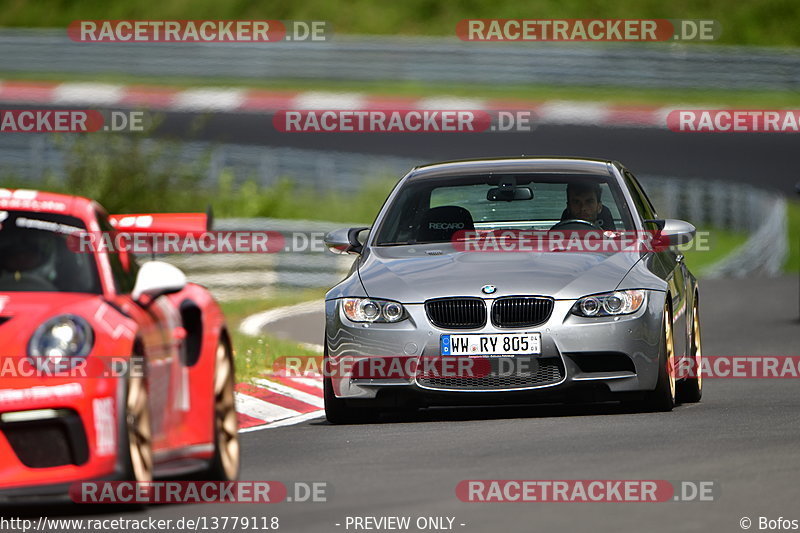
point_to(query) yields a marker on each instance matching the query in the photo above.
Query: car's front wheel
(338, 410)
(691, 389)
(137, 436)
(663, 397)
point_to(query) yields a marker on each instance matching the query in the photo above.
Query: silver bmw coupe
(523, 280)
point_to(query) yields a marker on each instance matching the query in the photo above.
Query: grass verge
(255, 355)
(710, 246)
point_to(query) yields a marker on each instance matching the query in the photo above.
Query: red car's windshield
(35, 255)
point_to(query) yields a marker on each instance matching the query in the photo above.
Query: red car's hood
(22, 312)
(37, 305)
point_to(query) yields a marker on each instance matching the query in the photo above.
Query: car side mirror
(677, 232)
(345, 241)
(156, 278)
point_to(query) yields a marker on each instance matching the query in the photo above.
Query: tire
(662, 399)
(337, 410)
(137, 433)
(691, 389)
(226, 462)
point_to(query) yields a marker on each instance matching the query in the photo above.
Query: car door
(671, 261)
(158, 322)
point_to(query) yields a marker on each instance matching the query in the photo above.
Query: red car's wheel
(138, 432)
(226, 461)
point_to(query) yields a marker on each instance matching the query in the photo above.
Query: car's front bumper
(55, 431)
(613, 354)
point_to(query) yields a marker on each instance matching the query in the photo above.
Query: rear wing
(179, 223)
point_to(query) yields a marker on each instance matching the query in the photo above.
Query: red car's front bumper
(58, 430)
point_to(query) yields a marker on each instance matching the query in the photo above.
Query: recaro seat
(440, 223)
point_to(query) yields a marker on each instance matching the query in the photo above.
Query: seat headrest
(440, 223)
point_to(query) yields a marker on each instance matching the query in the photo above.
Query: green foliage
(127, 174)
(131, 174)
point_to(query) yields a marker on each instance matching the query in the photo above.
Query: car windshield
(35, 255)
(433, 209)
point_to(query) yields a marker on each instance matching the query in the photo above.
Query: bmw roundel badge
(488, 289)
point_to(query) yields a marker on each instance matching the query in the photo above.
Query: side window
(644, 195)
(643, 205)
(123, 264)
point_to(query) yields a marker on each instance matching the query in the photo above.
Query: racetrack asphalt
(743, 436)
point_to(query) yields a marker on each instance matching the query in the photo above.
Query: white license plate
(491, 344)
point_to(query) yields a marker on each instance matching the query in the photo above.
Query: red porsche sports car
(109, 369)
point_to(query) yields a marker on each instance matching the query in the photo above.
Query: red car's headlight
(62, 336)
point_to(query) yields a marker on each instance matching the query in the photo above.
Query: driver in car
(584, 203)
(23, 257)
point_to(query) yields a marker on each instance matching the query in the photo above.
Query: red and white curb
(226, 100)
(278, 400)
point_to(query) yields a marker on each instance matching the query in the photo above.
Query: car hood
(36, 306)
(22, 312)
(411, 274)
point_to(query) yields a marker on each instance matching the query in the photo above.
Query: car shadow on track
(469, 413)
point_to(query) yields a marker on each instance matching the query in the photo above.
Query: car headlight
(60, 337)
(610, 304)
(372, 310)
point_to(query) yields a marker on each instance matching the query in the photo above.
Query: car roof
(571, 165)
(41, 201)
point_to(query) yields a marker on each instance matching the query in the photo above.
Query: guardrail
(239, 276)
(418, 59)
(764, 252)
